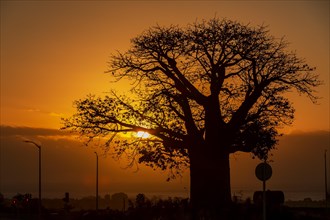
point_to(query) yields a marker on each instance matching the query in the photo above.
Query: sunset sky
(54, 52)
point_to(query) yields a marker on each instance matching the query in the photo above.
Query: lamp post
(39, 149)
(97, 182)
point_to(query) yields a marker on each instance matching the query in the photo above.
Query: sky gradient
(55, 52)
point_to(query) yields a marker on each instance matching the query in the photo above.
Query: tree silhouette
(203, 92)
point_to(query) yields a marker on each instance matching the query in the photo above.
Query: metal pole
(97, 182)
(39, 180)
(325, 180)
(264, 197)
(39, 149)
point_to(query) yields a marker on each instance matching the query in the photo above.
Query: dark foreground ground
(25, 208)
(240, 212)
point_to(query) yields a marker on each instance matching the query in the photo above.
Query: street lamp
(97, 182)
(39, 148)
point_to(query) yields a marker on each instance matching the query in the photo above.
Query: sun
(142, 134)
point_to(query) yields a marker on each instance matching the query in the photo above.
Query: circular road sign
(263, 171)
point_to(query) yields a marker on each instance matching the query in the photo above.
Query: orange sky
(55, 52)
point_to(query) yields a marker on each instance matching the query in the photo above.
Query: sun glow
(142, 134)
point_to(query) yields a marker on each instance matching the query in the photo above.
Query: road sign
(263, 171)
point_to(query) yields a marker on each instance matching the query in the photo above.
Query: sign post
(263, 172)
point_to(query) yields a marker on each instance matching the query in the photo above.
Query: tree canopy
(187, 79)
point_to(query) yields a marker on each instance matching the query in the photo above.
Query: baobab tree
(203, 92)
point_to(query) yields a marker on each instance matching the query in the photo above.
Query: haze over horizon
(69, 166)
(53, 53)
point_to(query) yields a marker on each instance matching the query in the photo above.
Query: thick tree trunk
(210, 191)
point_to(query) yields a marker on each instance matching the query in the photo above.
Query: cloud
(299, 160)
(32, 110)
(297, 164)
(37, 110)
(11, 131)
(54, 114)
